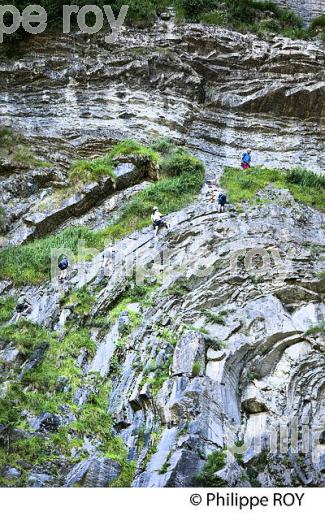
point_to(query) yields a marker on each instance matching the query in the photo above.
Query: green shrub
(268, 26)
(305, 178)
(317, 23)
(163, 146)
(141, 12)
(180, 163)
(7, 307)
(208, 477)
(196, 368)
(214, 343)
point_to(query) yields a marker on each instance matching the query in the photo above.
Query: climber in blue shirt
(246, 159)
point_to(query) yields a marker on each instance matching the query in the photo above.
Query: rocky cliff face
(216, 90)
(223, 346)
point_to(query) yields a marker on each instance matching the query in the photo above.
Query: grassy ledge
(181, 179)
(83, 171)
(304, 185)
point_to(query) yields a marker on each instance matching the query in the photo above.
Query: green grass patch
(168, 335)
(214, 343)
(81, 300)
(8, 137)
(90, 170)
(215, 17)
(196, 368)
(316, 329)
(133, 294)
(304, 185)
(164, 146)
(317, 24)
(131, 147)
(179, 288)
(7, 307)
(213, 317)
(25, 335)
(180, 163)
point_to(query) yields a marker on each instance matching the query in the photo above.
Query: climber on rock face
(108, 256)
(157, 220)
(246, 159)
(222, 200)
(63, 265)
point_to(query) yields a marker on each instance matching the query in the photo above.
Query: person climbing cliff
(108, 257)
(246, 159)
(222, 200)
(63, 265)
(157, 221)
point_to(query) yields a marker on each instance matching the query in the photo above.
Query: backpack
(246, 158)
(63, 264)
(222, 199)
